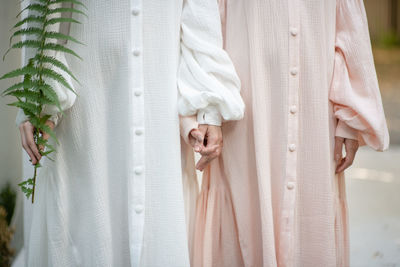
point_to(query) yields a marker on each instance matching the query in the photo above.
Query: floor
(373, 192)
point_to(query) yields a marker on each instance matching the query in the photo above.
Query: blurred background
(373, 183)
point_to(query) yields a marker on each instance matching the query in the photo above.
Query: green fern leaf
(26, 43)
(29, 31)
(35, 7)
(50, 94)
(38, 19)
(66, 10)
(22, 71)
(69, 1)
(24, 84)
(57, 77)
(60, 20)
(32, 108)
(49, 131)
(55, 62)
(57, 47)
(32, 96)
(57, 35)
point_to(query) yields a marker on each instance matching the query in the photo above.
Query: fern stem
(34, 184)
(40, 108)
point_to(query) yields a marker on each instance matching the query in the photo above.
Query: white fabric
(113, 196)
(207, 81)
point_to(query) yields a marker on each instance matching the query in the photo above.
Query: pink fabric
(273, 199)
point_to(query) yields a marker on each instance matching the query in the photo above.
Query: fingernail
(197, 148)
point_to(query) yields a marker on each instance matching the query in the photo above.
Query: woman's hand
(206, 140)
(351, 147)
(28, 143)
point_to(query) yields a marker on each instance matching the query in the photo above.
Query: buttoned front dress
(113, 196)
(273, 198)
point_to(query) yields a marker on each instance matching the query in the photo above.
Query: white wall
(10, 148)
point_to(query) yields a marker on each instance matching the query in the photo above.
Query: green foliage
(389, 40)
(7, 200)
(34, 92)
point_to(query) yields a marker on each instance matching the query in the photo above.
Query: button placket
(136, 179)
(286, 245)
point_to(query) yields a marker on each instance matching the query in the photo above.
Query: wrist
(210, 116)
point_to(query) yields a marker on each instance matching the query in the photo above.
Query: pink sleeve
(355, 90)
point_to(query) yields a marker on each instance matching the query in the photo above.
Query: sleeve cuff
(21, 118)
(56, 118)
(210, 115)
(344, 131)
(187, 124)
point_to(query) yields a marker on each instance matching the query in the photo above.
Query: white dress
(113, 196)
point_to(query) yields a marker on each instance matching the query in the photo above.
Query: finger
(210, 149)
(203, 162)
(26, 147)
(338, 152)
(351, 147)
(344, 165)
(197, 139)
(203, 129)
(31, 144)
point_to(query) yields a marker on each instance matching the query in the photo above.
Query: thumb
(197, 139)
(338, 149)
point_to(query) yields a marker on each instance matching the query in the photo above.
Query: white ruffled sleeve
(207, 80)
(355, 90)
(65, 96)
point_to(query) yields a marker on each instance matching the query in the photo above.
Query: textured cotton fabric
(113, 196)
(273, 198)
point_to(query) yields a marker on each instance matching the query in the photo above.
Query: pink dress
(272, 198)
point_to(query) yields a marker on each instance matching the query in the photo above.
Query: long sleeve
(207, 80)
(66, 97)
(355, 90)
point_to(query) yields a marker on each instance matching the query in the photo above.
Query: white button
(138, 92)
(138, 131)
(293, 31)
(139, 170)
(135, 11)
(139, 208)
(294, 71)
(136, 52)
(293, 109)
(292, 147)
(290, 185)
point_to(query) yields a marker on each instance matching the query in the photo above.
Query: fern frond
(43, 9)
(32, 96)
(66, 10)
(50, 94)
(58, 47)
(24, 84)
(45, 128)
(29, 31)
(22, 71)
(57, 77)
(57, 35)
(38, 19)
(60, 20)
(70, 1)
(32, 108)
(26, 43)
(55, 62)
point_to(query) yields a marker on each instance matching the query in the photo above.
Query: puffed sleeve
(66, 97)
(355, 90)
(207, 80)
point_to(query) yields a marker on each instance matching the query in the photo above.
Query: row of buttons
(139, 208)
